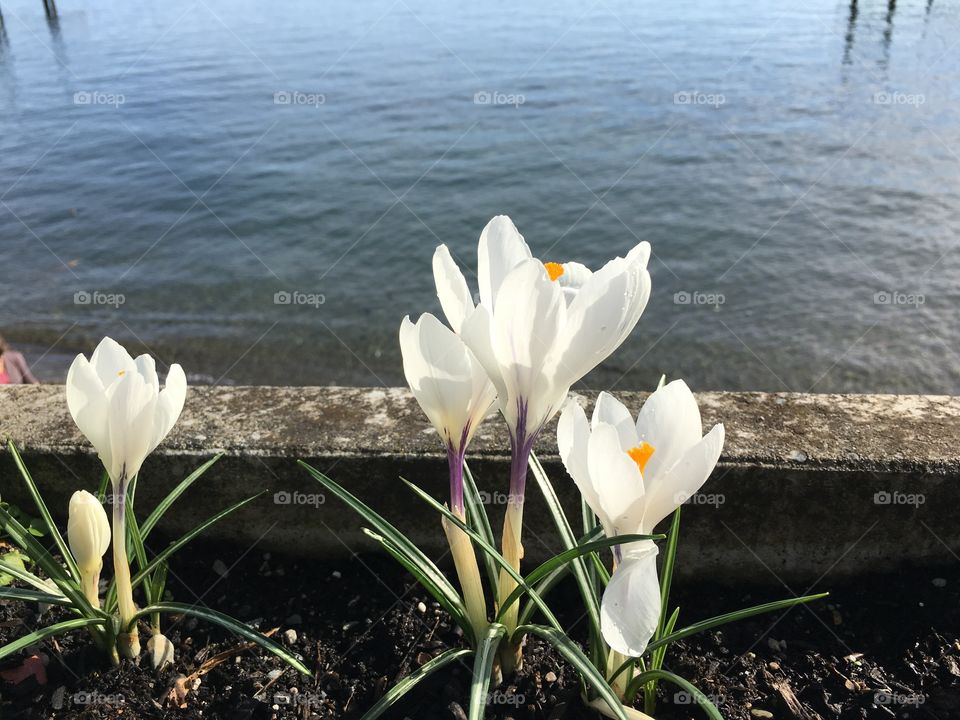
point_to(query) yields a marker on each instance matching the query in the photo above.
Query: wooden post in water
(50, 7)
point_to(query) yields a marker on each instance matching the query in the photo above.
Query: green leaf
(8, 593)
(456, 608)
(14, 558)
(44, 512)
(732, 617)
(400, 542)
(479, 521)
(164, 505)
(225, 621)
(589, 590)
(49, 631)
(488, 548)
(567, 556)
(669, 559)
(412, 680)
(482, 667)
(581, 663)
(653, 675)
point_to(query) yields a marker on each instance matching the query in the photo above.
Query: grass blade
(412, 680)
(666, 580)
(183, 540)
(39, 554)
(44, 512)
(24, 575)
(586, 581)
(482, 666)
(653, 675)
(732, 617)
(233, 625)
(479, 521)
(49, 631)
(574, 655)
(456, 609)
(33, 596)
(164, 505)
(400, 541)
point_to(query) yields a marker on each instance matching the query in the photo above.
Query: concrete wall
(801, 492)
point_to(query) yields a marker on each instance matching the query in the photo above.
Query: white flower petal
(131, 425)
(526, 322)
(147, 367)
(573, 435)
(665, 494)
(452, 290)
(87, 402)
(110, 360)
(169, 405)
(630, 608)
(500, 250)
(616, 480)
(670, 421)
(611, 411)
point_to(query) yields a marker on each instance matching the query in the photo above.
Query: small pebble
(336, 575)
(757, 712)
(939, 582)
(797, 456)
(220, 568)
(274, 674)
(56, 701)
(773, 665)
(421, 608)
(550, 677)
(290, 636)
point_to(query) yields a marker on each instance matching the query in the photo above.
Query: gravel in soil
(880, 647)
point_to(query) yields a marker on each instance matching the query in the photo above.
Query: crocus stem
(618, 684)
(512, 546)
(600, 705)
(461, 547)
(90, 582)
(129, 642)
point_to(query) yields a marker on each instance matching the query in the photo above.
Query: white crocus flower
(453, 390)
(88, 532)
(633, 475)
(538, 329)
(118, 405)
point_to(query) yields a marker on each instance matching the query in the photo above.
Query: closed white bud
(88, 531)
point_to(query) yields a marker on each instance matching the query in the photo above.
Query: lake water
(795, 166)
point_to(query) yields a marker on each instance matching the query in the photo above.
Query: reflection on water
(793, 167)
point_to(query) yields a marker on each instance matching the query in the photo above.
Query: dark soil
(878, 648)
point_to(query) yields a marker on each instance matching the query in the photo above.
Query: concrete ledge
(808, 485)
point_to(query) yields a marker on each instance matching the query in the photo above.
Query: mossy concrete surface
(809, 487)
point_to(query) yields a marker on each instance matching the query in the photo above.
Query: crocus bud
(88, 531)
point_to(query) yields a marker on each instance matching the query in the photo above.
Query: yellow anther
(554, 270)
(641, 454)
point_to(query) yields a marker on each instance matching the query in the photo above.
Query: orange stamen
(554, 270)
(641, 454)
